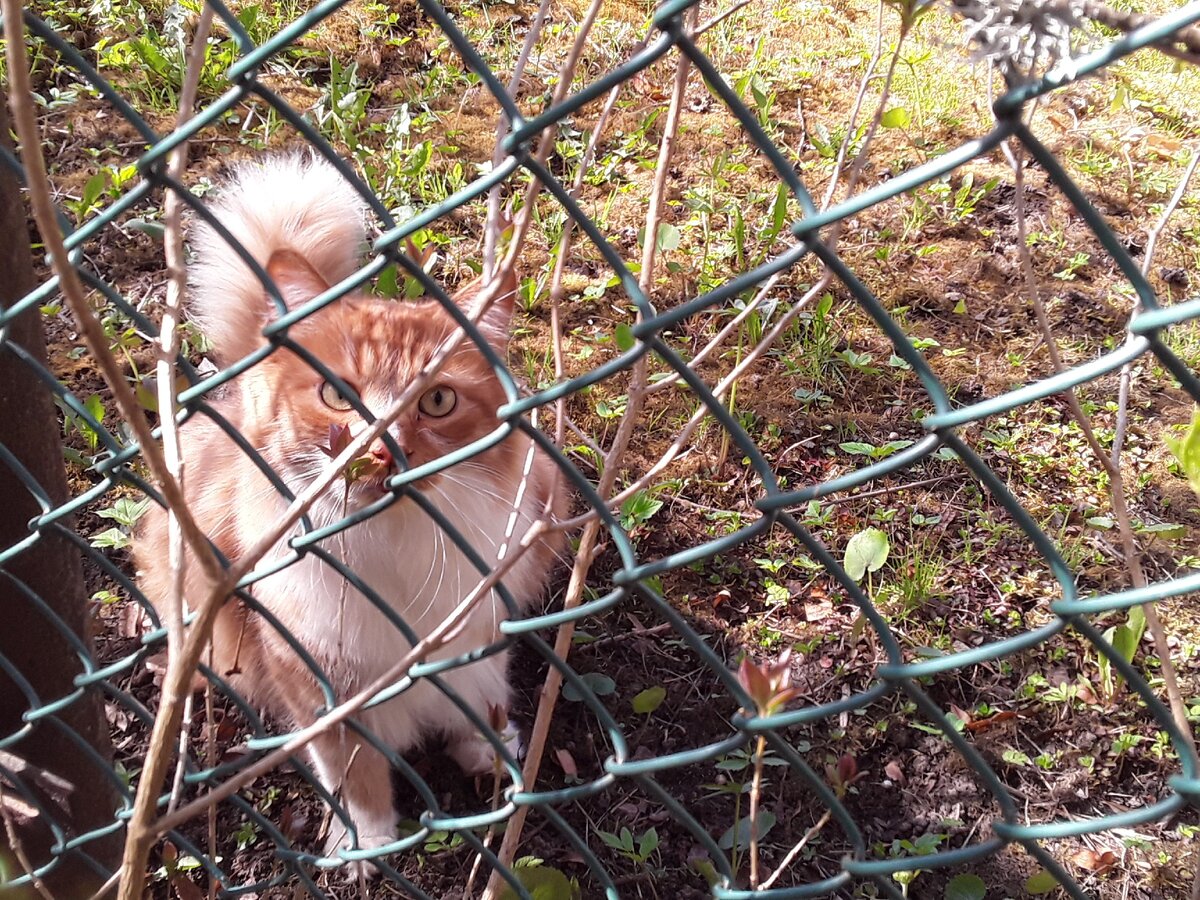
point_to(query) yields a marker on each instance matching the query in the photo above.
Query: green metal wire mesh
(117, 465)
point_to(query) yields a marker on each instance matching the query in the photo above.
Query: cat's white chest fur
(422, 575)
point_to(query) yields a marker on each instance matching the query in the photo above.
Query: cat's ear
(497, 319)
(297, 281)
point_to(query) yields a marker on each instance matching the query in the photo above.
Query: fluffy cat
(303, 223)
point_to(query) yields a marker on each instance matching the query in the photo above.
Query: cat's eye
(438, 402)
(333, 398)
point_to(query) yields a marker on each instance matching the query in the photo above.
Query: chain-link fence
(632, 765)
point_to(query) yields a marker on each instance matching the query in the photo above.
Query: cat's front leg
(360, 777)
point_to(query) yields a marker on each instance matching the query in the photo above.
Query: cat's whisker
(476, 487)
(433, 561)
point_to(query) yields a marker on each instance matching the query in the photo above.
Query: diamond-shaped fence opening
(669, 769)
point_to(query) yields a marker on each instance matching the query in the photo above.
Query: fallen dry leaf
(1003, 716)
(293, 822)
(1095, 862)
(1164, 146)
(893, 771)
(1085, 693)
(817, 610)
(567, 762)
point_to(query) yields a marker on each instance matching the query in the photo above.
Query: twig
(556, 279)
(626, 635)
(685, 434)
(1153, 622)
(721, 17)
(91, 331)
(720, 337)
(566, 75)
(795, 851)
(166, 350)
(18, 848)
(860, 158)
(1111, 465)
(890, 489)
(181, 752)
(210, 760)
(760, 750)
(587, 543)
(491, 235)
(108, 885)
(498, 720)
(1188, 37)
(681, 441)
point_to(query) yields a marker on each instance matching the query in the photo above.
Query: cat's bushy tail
(293, 201)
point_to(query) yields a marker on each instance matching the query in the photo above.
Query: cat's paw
(357, 869)
(477, 756)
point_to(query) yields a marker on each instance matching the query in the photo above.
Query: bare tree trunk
(30, 641)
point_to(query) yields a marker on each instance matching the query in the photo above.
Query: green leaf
(891, 447)
(155, 230)
(705, 869)
(95, 406)
(1016, 758)
(966, 887)
(648, 843)
(1164, 530)
(1187, 450)
(92, 190)
(543, 883)
(419, 159)
(739, 834)
(1125, 641)
(624, 842)
(779, 209)
(639, 509)
(113, 538)
(858, 448)
(668, 237)
(866, 552)
(896, 117)
(600, 685)
(387, 284)
(649, 700)
(1041, 883)
(624, 337)
(126, 511)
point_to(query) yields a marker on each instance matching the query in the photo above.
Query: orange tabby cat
(304, 224)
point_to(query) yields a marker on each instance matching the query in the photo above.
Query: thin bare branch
(795, 851)
(1111, 464)
(566, 76)
(166, 350)
(18, 847)
(491, 235)
(587, 543)
(721, 17)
